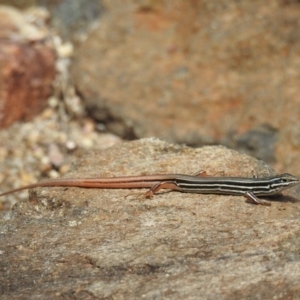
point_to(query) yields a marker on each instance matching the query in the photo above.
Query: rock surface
(89, 243)
(197, 72)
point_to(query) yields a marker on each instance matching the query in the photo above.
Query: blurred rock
(73, 18)
(21, 4)
(27, 67)
(195, 72)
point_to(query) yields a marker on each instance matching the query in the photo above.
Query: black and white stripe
(236, 185)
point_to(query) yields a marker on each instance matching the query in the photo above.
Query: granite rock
(106, 244)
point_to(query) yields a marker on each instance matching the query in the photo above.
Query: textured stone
(114, 244)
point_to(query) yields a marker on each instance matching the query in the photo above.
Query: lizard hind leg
(171, 185)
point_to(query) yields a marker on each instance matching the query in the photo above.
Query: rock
(27, 68)
(20, 4)
(195, 72)
(73, 19)
(90, 243)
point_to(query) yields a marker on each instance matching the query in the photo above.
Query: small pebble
(56, 157)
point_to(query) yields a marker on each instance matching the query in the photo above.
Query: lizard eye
(288, 178)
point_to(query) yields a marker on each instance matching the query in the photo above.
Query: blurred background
(79, 76)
